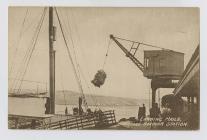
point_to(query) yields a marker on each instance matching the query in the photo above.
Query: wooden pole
(51, 63)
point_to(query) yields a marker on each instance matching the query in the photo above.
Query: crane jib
(128, 54)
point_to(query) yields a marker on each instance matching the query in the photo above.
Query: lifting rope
(107, 52)
(100, 76)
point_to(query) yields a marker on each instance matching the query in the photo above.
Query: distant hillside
(71, 98)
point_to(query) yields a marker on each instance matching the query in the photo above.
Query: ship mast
(51, 62)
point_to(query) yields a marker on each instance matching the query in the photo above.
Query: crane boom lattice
(129, 54)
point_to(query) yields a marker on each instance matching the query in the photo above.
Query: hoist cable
(107, 51)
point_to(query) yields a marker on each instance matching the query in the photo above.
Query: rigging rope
(92, 97)
(69, 54)
(30, 81)
(63, 89)
(61, 82)
(34, 45)
(19, 73)
(142, 43)
(30, 55)
(18, 42)
(78, 66)
(30, 24)
(75, 56)
(27, 54)
(91, 90)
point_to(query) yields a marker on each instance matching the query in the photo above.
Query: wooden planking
(84, 122)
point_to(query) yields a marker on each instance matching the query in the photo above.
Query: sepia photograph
(103, 68)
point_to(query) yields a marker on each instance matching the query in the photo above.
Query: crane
(157, 80)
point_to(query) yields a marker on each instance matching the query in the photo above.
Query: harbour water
(36, 107)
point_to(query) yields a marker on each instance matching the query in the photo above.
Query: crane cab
(163, 64)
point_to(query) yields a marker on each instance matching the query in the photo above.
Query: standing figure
(66, 111)
(141, 113)
(144, 111)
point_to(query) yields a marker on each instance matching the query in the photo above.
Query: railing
(90, 121)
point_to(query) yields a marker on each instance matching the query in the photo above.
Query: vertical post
(51, 63)
(153, 97)
(188, 101)
(159, 98)
(192, 99)
(154, 86)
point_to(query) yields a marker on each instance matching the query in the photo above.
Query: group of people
(77, 111)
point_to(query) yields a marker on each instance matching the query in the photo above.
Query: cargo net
(99, 78)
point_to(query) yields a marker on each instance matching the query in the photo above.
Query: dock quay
(64, 122)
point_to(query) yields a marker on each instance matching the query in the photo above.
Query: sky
(171, 28)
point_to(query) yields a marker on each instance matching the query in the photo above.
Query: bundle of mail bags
(99, 78)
